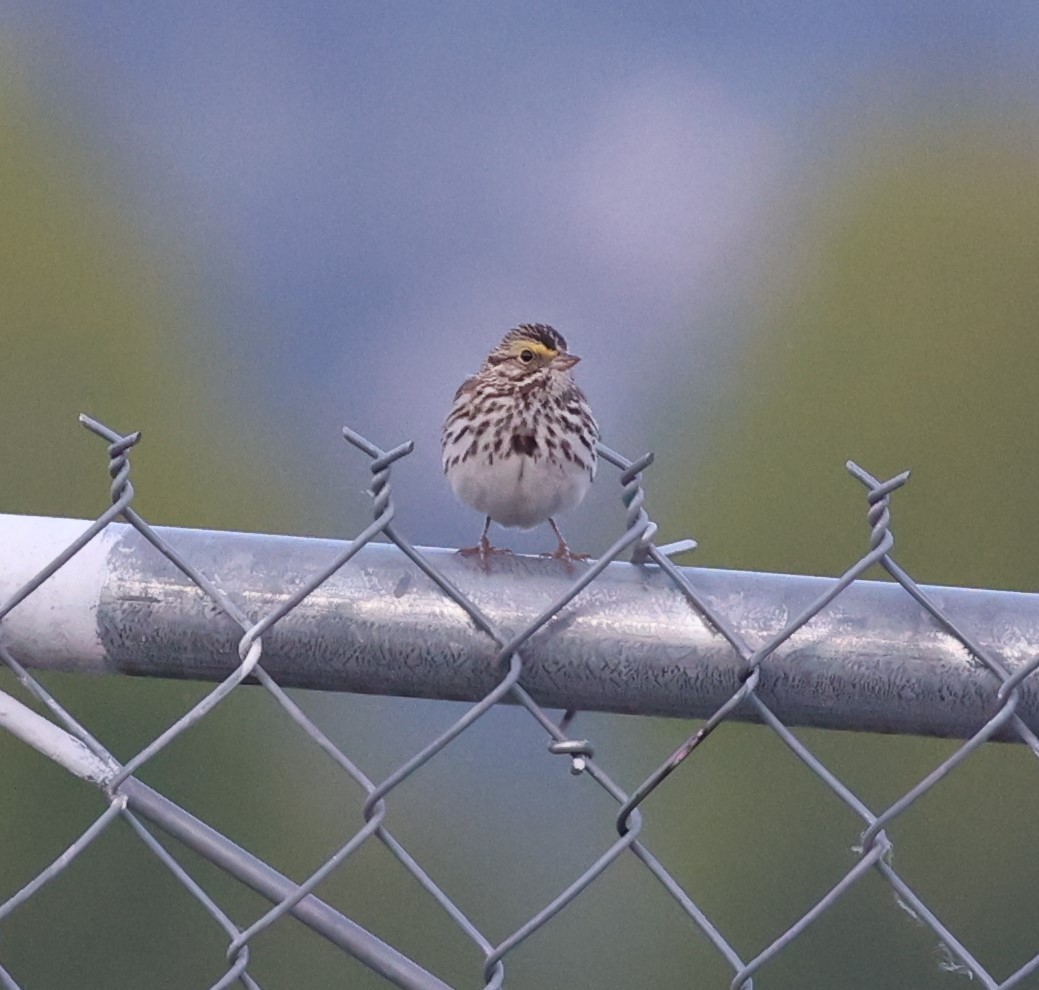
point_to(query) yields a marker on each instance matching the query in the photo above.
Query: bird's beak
(564, 362)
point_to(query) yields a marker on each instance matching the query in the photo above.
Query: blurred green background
(881, 304)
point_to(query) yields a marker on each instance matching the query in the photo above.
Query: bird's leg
(563, 551)
(484, 548)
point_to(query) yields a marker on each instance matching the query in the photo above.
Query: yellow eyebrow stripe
(532, 345)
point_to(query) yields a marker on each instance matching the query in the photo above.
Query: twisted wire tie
(118, 447)
(634, 498)
(879, 498)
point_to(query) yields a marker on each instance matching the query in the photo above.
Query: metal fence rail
(644, 637)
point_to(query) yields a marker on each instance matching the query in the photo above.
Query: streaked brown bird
(519, 442)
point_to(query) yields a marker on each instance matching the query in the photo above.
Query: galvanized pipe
(871, 661)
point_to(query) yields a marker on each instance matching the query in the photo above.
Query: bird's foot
(484, 550)
(566, 555)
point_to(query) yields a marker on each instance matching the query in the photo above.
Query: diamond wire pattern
(874, 847)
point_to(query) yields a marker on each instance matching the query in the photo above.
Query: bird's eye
(526, 356)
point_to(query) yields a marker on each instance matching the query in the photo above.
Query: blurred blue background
(779, 237)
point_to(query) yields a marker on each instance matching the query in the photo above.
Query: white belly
(519, 491)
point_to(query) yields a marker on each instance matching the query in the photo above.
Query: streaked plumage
(519, 442)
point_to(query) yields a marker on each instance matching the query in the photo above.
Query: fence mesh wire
(131, 801)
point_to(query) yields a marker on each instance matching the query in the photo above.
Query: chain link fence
(771, 649)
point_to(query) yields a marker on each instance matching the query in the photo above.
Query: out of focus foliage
(900, 332)
(96, 317)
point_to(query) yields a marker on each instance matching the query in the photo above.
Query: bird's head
(529, 348)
